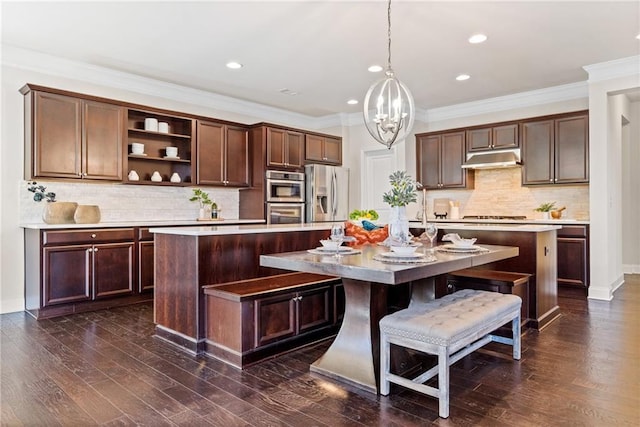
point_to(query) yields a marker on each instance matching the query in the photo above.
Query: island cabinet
(285, 148)
(573, 256)
(179, 133)
(71, 271)
(494, 137)
(249, 320)
(323, 149)
(439, 159)
(72, 137)
(223, 154)
(555, 150)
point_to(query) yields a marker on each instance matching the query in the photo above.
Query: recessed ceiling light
(352, 101)
(477, 38)
(288, 92)
(375, 69)
(638, 36)
(462, 77)
(234, 65)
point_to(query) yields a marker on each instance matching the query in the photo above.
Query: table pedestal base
(354, 355)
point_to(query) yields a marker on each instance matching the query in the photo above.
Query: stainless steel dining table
(353, 357)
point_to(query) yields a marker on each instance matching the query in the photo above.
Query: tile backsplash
(120, 202)
(500, 192)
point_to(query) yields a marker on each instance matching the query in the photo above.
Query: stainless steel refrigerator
(327, 193)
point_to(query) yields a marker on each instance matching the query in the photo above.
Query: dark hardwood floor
(106, 368)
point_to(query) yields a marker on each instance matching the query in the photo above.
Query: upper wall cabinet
(223, 155)
(556, 150)
(284, 149)
(439, 159)
(493, 138)
(69, 137)
(158, 132)
(323, 149)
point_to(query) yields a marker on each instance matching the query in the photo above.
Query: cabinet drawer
(573, 231)
(63, 237)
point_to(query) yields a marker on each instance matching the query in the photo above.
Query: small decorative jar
(87, 214)
(59, 212)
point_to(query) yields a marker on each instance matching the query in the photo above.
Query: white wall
(606, 109)
(631, 191)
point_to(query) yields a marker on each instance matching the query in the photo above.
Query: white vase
(399, 223)
(205, 213)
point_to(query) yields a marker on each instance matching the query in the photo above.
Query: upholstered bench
(450, 327)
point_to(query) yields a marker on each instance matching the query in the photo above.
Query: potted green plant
(202, 197)
(545, 208)
(403, 192)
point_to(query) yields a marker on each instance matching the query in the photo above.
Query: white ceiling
(321, 49)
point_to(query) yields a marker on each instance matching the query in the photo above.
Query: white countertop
(527, 228)
(241, 229)
(561, 221)
(150, 223)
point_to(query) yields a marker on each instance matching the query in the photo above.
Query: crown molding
(59, 67)
(613, 69)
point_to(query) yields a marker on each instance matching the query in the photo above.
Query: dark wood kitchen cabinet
(573, 256)
(72, 270)
(223, 155)
(69, 137)
(555, 150)
(323, 149)
(439, 159)
(292, 314)
(285, 148)
(496, 137)
(145, 260)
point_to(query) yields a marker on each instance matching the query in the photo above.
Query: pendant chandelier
(389, 110)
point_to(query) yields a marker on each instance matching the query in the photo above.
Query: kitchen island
(538, 257)
(189, 258)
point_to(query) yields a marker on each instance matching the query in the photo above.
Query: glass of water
(431, 232)
(337, 235)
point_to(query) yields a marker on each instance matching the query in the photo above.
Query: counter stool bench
(450, 327)
(250, 320)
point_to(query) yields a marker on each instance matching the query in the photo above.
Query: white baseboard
(631, 268)
(11, 305)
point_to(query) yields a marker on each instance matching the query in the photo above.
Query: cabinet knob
(95, 249)
(551, 180)
(84, 174)
(93, 235)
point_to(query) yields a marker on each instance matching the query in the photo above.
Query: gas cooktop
(494, 217)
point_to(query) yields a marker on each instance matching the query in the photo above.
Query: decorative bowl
(330, 244)
(464, 243)
(404, 250)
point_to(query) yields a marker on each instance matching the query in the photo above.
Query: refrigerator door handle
(334, 198)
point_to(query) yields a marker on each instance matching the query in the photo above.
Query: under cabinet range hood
(493, 159)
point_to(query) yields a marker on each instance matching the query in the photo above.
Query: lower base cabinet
(573, 256)
(70, 271)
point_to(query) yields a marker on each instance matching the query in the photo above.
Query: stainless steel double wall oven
(285, 193)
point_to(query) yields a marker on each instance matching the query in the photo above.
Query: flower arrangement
(546, 207)
(40, 192)
(403, 190)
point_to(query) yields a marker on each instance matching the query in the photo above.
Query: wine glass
(337, 235)
(431, 231)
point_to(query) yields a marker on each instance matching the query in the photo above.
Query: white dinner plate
(460, 249)
(331, 250)
(397, 255)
